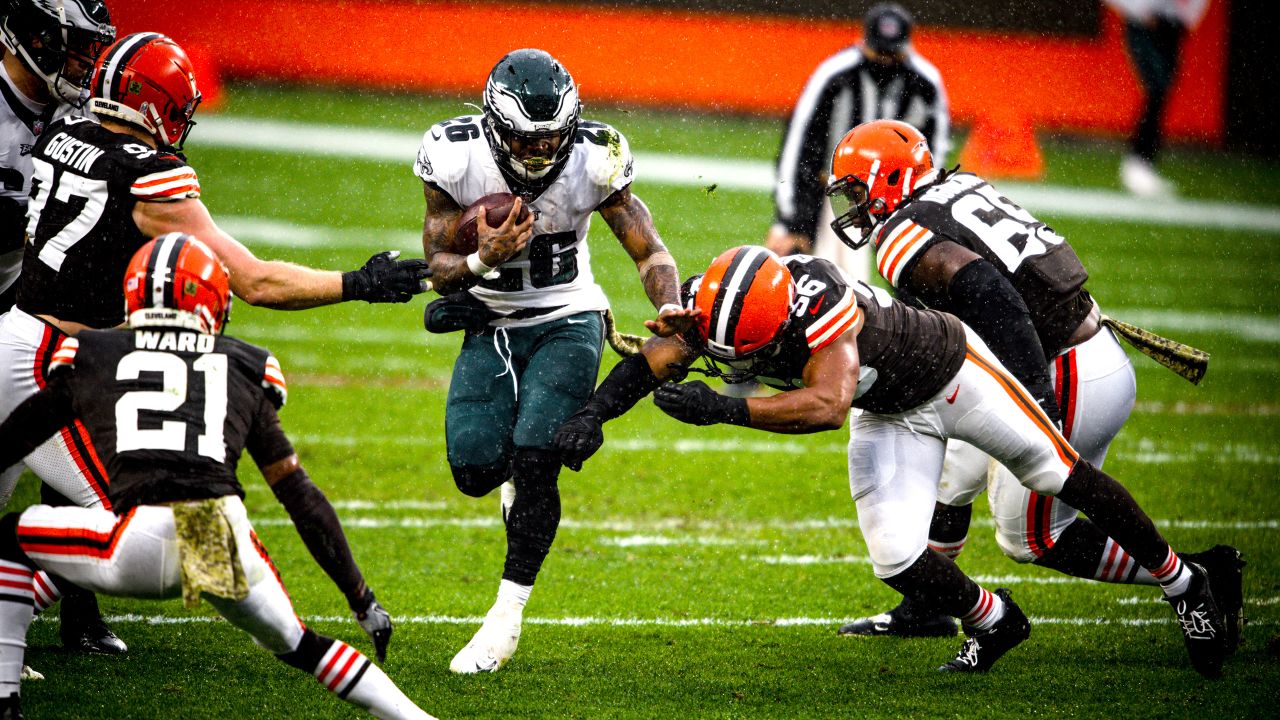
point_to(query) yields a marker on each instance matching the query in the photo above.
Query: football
(496, 206)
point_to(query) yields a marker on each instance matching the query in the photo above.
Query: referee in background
(881, 78)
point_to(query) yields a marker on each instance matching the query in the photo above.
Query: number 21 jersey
(80, 229)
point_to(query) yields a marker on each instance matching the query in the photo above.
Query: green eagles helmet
(57, 40)
(530, 116)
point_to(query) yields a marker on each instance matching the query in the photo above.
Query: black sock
(1114, 512)
(535, 514)
(950, 526)
(934, 584)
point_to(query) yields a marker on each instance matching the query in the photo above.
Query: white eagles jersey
(551, 278)
(21, 120)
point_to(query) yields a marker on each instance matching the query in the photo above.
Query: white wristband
(669, 306)
(477, 266)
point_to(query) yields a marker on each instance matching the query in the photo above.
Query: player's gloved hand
(697, 404)
(579, 438)
(384, 279)
(375, 621)
(1048, 401)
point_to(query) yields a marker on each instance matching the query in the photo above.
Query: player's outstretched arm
(451, 272)
(277, 284)
(579, 437)
(317, 523)
(632, 223)
(830, 379)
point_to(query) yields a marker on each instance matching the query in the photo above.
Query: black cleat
(10, 708)
(902, 622)
(983, 648)
(1226, 577)
(92, 636)
(1202, 626)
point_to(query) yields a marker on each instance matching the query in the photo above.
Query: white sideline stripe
(629, 526)
(785, 622)
(402, 147)
(1142, 452)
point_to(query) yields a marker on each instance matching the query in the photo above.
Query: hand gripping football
(496, 206)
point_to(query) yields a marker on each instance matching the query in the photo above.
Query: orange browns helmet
(145, 79)
(875, 168)
(176, 281)
(745, 298)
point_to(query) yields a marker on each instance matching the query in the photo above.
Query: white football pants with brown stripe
(1095, 388)
(67, 462)
(136, 555)
(895, 461)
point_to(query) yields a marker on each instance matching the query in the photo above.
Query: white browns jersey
(551, 278)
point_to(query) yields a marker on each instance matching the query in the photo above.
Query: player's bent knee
(1013, 545)
(890, 555)
(479, 480)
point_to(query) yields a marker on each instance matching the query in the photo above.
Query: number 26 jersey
(85, 184)
(1039, 264)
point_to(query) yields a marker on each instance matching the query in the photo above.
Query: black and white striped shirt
(847, 90)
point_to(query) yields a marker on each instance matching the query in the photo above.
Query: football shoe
(91, 636)
(11, 707)
(493, 644)
(983, 648)
(1226, 577)
(30, 673)
(902, 622)
(1202, 625)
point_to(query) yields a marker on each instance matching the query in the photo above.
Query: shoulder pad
(165, 180)
(900, 241)
(608, 161)
(273, 382)
(445, 152)
(64, 358)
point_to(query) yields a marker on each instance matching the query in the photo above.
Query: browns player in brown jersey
(921, 377)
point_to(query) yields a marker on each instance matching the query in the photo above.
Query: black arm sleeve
(317, 523)
(628, 382)
(35, 420)
(267, 443)
(983, 298)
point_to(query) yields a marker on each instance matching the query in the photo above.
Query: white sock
(511, 594)
(1173, 574)
(46, 593)
(16, 611)
(986, 612)
(376, 693)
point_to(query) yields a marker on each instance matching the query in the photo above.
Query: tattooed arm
(450, 271)
(631, 222)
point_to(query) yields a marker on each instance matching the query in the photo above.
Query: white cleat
(1140, 178)
(492, 645)
(30, 674)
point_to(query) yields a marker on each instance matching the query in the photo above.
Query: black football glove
(697, 404)
(384, 279)
(579, 438)
(375, 621)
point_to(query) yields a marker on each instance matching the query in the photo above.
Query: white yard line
(402, 147)
(588, 621)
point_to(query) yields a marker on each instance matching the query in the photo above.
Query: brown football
(497, 207)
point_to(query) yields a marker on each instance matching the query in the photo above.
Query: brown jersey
(170, 411)
(80, 232)
(1039, 264)
(906, 356)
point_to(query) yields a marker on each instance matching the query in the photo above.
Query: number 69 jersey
(964, 209)
(170, 410)
(551, 277)
(80, 231)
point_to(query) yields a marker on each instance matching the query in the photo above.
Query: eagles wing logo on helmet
(531, 113)
(58, 41)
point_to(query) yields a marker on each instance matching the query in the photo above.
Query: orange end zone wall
(717, 62)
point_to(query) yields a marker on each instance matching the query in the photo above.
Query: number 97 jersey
(551, 278)
(1039, 264)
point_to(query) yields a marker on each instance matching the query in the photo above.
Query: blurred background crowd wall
(1012, 65)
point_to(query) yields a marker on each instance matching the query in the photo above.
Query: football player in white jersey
(532, 310)
(48, 47)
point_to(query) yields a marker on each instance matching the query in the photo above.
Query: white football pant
(895, 461)
(67, 461)
(1095, 386)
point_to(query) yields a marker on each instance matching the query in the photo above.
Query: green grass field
(701, 572)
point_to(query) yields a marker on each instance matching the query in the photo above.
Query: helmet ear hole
(893, 177)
